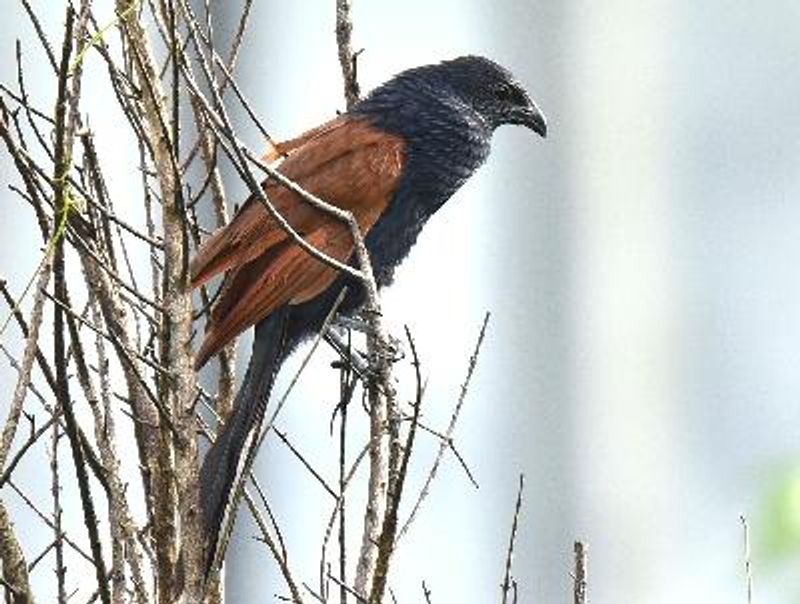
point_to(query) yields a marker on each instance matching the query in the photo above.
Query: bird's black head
(469, 87)
(491, 90)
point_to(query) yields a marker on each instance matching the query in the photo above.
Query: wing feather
(346, 162)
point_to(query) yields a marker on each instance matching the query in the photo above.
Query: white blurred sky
(641, 366)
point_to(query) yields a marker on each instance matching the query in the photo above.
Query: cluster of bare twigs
(126, 326)
(122, 343)
(119, 360)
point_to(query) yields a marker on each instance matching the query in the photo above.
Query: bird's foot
(359, 360)
(348, 355)
(357, 324)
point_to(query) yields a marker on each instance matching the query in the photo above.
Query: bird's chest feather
(439, 159)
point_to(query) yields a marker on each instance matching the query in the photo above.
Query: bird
(392, 160)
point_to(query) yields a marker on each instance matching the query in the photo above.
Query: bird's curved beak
(533, 118)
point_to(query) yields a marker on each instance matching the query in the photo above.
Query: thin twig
(33, 437)
(48, 521)
(335, 513)
(444, 445)
(51, 57)
(28, 356)
(387, 539)
(509, 583)
(305, 462)
(295, 378)
(55, 492)
(347, 384)
(345, 587)
(579, 577)
(67, 121)
(15, 569)
(347, 58)
(273, 548)
(748, 570)
(426, 592)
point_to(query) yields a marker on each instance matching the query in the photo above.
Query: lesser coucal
(392, 161)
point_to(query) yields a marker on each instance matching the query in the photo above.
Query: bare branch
(28, 356)
(748, 570)
(55, 491)
(579, 578)
(347, 58)
(15, 569)
(445, 444)
(509, 583)
(40, 32)
(273, 548)
(33, 437)
(304, 461)
(45, 518)
(386, 542)
(67, 120)
(176, 334)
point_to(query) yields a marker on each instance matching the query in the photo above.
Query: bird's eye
(509, 94)
(503, 93)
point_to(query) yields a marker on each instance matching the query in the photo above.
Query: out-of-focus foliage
(778, 519)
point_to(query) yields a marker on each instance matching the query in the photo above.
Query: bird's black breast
(445, 143)
(430, 179)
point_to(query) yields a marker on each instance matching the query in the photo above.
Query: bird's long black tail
(228, 457)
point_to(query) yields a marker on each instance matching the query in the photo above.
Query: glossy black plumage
(428, 129)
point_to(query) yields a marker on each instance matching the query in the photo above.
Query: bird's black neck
(446, 142)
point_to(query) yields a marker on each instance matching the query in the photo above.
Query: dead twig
(347, 58)
(579, 588)
(387, 540)
(509, 584)
(445, 444)
(748, 570)
(67, 121)
(15, 568)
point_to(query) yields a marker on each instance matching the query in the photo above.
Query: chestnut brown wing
(348, 163)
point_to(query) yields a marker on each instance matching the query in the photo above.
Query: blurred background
(641, 367)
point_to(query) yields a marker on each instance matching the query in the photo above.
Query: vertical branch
(176, 353)
(509, 583)
(123, 541)
(579, 588)
(55, 491)
(345, 393)
(397, 474)
(378, 480)
(179, 475)
(447, 440)
(348, 380)
(26, 366)
(15, 568)
(347, 58)
(748, 570)
(65, 124)
(208, 153)
(384, 456)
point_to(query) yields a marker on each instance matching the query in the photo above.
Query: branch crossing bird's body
(392, 161)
